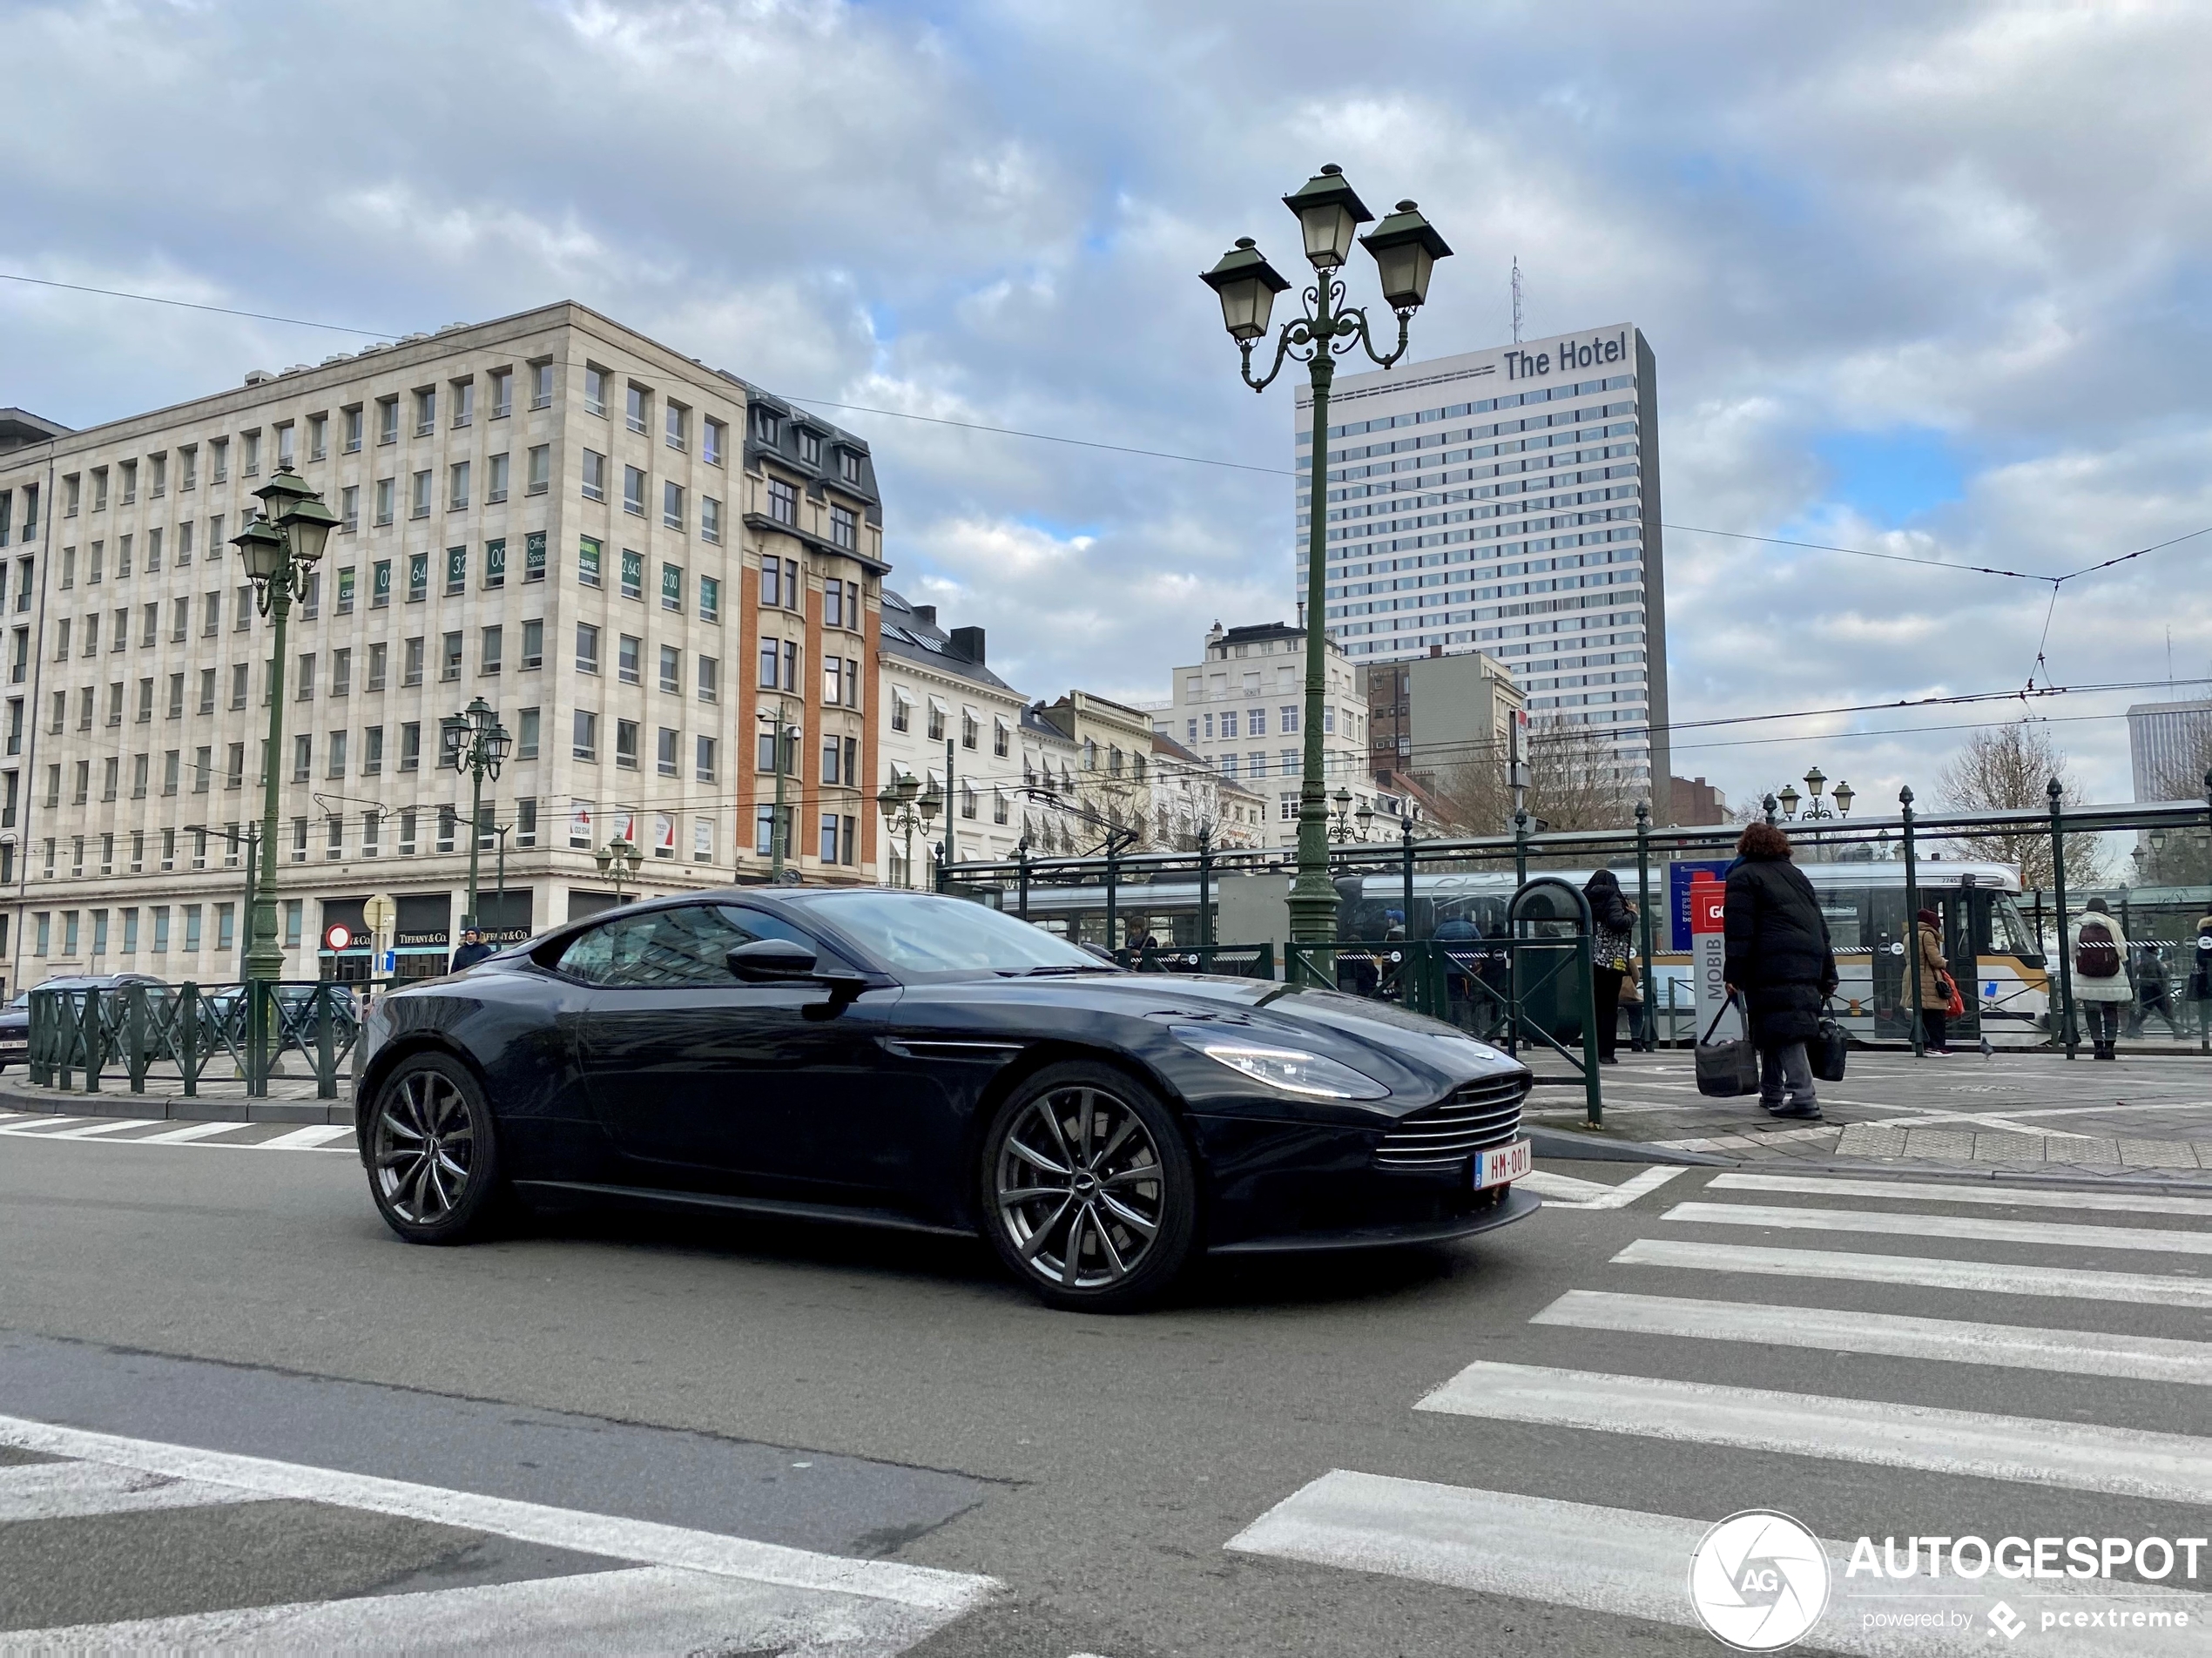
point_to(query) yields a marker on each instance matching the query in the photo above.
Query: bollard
(2067, 1033)
(1912, 922)
(1593, 1096)
(326, 1051)
(134, 997)
(188, 1036)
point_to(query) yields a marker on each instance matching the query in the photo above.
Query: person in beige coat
(1935, 981)
(2100, 960)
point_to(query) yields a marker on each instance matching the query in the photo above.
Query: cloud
(1986, 225)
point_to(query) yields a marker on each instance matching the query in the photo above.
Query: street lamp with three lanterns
(474, 741)
(1405, 248)
(908, 806)
(1345, 823)
(618, 860)
(280, 549)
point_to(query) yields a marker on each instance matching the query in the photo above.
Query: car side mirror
(767, 961)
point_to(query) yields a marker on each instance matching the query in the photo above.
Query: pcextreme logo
(1758, 1581)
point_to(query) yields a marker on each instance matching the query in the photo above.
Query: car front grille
(1477, 1116)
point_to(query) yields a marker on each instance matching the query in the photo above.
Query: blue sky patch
(1894, 476)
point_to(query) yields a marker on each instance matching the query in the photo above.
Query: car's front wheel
(433, 1152)
(1089, 1192)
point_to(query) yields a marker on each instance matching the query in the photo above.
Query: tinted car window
(923, 932)
(670, 948)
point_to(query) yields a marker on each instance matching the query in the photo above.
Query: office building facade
(2168, 746)
(628, 555)
(1505, 500)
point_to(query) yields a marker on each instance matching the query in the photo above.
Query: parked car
(913, 1061)
(15, 1018)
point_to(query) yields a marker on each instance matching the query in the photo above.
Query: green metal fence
(81, 1036)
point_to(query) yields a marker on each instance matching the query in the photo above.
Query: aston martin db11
(906, 1060)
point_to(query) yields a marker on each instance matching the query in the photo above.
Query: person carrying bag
(1730, 1068)
(1777, 955)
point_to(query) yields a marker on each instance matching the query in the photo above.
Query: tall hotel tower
(1507, 500)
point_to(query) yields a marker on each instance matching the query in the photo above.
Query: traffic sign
(337, 936)
(379, 912)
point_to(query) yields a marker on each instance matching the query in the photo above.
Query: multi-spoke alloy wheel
(1089, 1189)
(430, 1155)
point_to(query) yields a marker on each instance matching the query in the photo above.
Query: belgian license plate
(1501, 1163)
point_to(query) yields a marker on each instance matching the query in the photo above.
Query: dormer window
(810, 447)
(764, 426)
(848, 466)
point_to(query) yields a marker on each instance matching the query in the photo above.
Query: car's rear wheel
(1089, 1192)
(433, 1152)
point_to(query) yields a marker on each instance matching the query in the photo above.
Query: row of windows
(1481, 406)
(630, 580)
(1203, 727)
(422, 407)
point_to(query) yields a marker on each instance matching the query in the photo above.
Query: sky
(1922, 279)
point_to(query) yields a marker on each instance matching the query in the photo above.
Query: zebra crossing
(154, 1131)
(626, 1584)
(1736, 1270)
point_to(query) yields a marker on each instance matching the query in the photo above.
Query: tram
(1995, 955)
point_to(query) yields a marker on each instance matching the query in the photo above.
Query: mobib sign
(1566, 355)
(1708, 957)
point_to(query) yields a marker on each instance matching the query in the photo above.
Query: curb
(167, 1108)
(1587, 1147)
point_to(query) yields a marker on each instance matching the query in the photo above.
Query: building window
(587, 648)
(848, 466)
(496, 483)
(637, 406)
(671, 505)
(633, 574)
(534, 644)
(626, 745)
(541, 468)
(844, 529)
(526, 733)
(587, 562)
(672, 669)
(715, 438)
(665, 752)
(541, 384)
(496, 564)
(783, 503)
(672, 587)
(633, 490)
(710, 519)
(627, 649)
(703, 759)
(419, 497)
(594, 475)
(585, 745)
(710, 674)
(710, 598)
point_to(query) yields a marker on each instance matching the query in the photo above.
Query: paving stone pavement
(2139, 1118)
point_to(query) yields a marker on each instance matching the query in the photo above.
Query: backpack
(2096, 955)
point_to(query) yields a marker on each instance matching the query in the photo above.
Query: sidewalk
(290, 1099)
(2134, 1120)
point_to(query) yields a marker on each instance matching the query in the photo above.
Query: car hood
(1348, 1028)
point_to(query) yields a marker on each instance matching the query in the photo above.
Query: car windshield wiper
(1066, 967)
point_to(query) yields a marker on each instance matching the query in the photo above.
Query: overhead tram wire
(1193, 460)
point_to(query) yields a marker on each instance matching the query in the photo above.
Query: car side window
(686, 947)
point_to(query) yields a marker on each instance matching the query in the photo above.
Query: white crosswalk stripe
(2082, 1353)
(1984, 1192)
(75, 1490)
(665, 1587)
(187, 1134)
(1977, 1227)
(1979, 1277)
(1566, 1191)
(1542, 1550)
(90, 1130)
(319, 1134)
(1627, 1564)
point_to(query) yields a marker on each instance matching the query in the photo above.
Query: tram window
(2009, 930)
(1842, 924)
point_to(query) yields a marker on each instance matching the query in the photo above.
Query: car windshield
(923, 932)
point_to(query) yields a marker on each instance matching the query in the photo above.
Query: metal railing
(80, 1034)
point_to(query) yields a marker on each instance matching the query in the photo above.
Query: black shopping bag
(1826, 1051)
(1730, 1068)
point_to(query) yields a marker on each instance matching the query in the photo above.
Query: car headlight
(1291, 1069)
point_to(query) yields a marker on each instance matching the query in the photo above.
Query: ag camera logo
(1758, 1581)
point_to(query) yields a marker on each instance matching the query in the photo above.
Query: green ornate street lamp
(618, 860)
(1405, 247)
(902, 811)
(279, 549)
(477, 743)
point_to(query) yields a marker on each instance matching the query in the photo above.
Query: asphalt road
(622, 1434)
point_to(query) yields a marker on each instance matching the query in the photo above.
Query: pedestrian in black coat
(1779, 959)
(1612, 919)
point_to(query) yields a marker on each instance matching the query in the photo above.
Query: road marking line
(1627, 1564)
(74, 1490)
(2074, 1456)
(44, 1125)
(647, 1541)
(185, 1136)
(2145, 1238)
(305, 1139)
(637, 1609)
(1592, 1194)
(2079, 1352)
(1565, 1188)
(112, 1125)
(1941, 1192)
(1981, 1278)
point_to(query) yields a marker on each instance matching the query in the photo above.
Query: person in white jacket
(2099, 956)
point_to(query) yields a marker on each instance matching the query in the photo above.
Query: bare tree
(2010, 768)
(1576, 780)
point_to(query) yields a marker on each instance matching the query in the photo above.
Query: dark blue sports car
(905, 1059)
